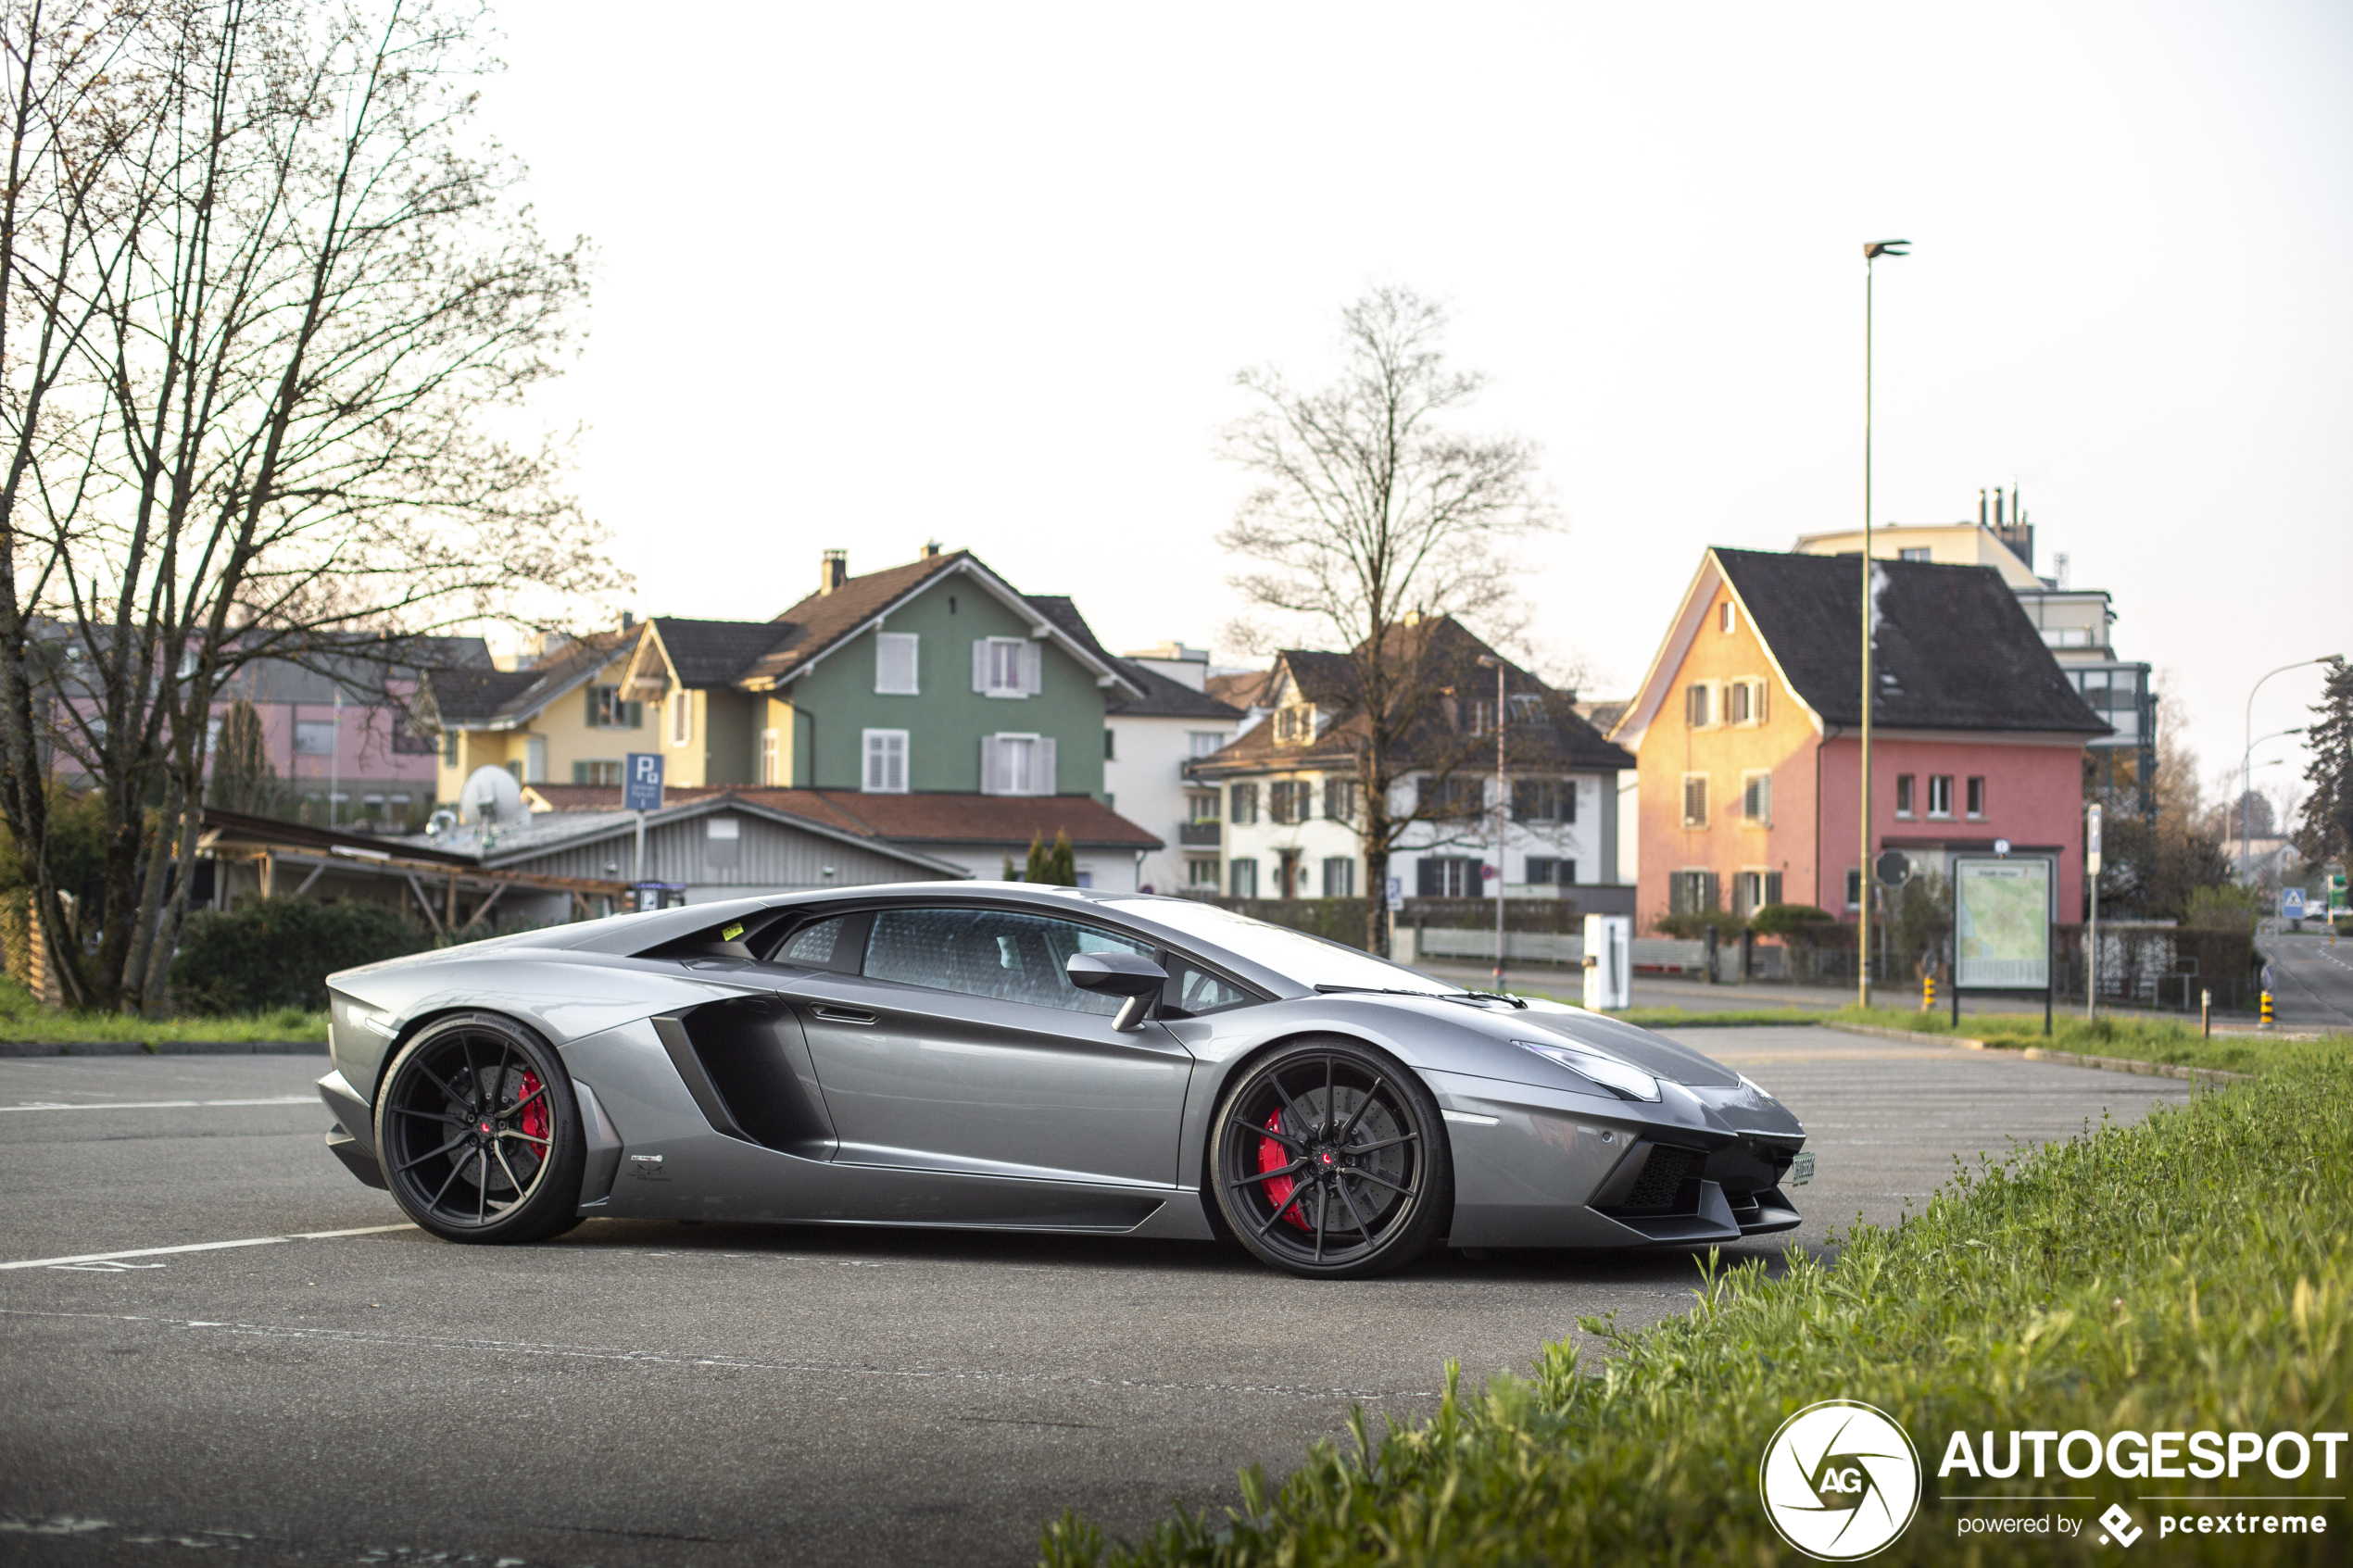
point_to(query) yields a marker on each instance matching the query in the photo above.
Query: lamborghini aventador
(1003, 1056)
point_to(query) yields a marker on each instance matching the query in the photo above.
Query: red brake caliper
(535, 1120)
(1272, 1156)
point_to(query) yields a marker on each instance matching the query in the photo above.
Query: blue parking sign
(641, 782)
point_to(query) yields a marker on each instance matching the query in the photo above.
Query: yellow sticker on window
(728, 934)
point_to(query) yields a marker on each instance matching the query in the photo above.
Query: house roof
(1011, 820)
(477, 698)
(1163, 698)
(1556, 736)
(1245, 690)
(1954, 650)
(713, 653)
(761, 655)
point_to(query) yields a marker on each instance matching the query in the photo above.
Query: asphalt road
(2311, 979)
(648, 1394)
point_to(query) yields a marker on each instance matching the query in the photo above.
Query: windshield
(1310, 960)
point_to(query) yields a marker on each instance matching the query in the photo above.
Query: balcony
(1197, 835)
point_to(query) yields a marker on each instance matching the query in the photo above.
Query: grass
(2135, 1039)
(22, 1019)
(2191, 1273)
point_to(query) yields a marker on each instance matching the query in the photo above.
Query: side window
(834, 944)
(1193, 990)
(1013, 958)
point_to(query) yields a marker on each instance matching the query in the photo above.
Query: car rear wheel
(1330, 1162)
(479, 1132)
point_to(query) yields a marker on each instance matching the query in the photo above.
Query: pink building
(1745, 733)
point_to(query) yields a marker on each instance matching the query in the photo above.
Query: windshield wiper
(1434, 996)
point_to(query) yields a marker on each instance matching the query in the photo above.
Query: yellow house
(558, 717)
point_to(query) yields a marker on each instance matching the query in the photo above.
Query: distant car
(1003, 1056)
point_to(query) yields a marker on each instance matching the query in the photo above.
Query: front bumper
(1540, 1167)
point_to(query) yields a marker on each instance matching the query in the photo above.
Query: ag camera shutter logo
(1841, 1480)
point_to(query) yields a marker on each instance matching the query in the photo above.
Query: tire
(1330, 1160)
(479, 1132)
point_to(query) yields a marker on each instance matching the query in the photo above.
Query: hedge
(277, 952)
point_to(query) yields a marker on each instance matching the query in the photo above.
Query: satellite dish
(490, 797)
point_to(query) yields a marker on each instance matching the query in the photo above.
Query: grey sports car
(1002, 1056)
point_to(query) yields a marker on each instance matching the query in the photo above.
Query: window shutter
(1041, 776)
(1757, 700)
(981, 667)
(1772, 887)
(636, 715)
(1033, 669)
(1568, 810)
(990, 763)
(592, 707)
(1709, 889)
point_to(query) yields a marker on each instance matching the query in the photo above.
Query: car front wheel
(1331, 1161)
(479, 1132)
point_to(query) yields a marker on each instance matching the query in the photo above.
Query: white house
(1288, 789)
(1148, 741)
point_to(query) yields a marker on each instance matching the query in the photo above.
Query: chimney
(833, 570)
(931, 549)
(1997, 511)
(1981, 506)
(628, 619)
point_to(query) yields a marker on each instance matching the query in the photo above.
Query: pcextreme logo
(1841, 1480)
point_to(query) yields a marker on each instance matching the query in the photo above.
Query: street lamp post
(2247, 734)
(1872, 251)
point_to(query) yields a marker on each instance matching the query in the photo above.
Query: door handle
(842, 1015)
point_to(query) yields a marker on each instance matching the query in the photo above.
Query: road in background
(2311, 978)
(637, 1393)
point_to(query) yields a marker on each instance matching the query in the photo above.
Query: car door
(946, 1037)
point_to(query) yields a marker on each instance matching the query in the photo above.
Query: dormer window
(1295, 725)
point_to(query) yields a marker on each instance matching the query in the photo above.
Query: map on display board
(2002, 925)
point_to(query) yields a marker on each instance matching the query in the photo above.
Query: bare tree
(1374, 518)
(307, 291)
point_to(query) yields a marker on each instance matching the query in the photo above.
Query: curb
(2036, 1053)
(163, 1047)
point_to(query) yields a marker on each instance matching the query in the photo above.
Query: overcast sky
(875, 274)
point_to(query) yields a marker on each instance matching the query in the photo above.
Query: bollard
(2205, 1015)
(1928, 992)
(2267, 1011)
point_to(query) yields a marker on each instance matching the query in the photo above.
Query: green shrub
(2189, 1273)
(277, 952)
(2225, 909)
(1696, 924)
(1775, 920)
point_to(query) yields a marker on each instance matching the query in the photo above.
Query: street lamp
(2247, 734)
(1872, 251)
(1502, 804)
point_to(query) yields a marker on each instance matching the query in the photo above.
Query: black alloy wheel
(1330, 1162)
(479, 1132)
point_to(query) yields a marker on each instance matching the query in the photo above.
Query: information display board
(2001, 923)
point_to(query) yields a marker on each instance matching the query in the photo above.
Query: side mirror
(1131, 976)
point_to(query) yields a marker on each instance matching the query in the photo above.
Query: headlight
(1626, 1083)
(370, 1019)
(1758, 1089)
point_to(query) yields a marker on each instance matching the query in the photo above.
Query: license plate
(1801, 1170)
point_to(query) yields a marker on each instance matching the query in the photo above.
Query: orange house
(1746, 732)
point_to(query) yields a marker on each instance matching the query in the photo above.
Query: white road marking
(739, 1364)
(157, 1104)
(199, 1246)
